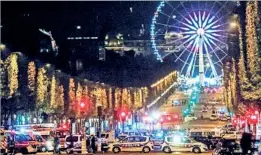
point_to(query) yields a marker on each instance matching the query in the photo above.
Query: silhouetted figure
(56, 145)
(88, 144)
(11, 144)
(245, 142)
(93, 145)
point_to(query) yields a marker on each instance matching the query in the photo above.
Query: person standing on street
(56, 145)
(88, 144)
(11, 144)
(245, 143)
(93, 145)
(104, 144)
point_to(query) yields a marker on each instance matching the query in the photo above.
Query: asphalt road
(138, 153)
(199, 123)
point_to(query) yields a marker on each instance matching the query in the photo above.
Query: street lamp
(233, 25)
(2, 47)
(99, 110)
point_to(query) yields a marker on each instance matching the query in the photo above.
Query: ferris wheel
(195, 32)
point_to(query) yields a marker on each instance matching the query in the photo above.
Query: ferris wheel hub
(200, 31)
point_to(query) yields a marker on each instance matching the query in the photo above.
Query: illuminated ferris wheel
(195, 32)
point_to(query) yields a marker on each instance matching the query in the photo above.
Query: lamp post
(122, 116)
(99, 110)
(72, 120)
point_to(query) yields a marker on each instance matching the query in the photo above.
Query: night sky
(63, 17)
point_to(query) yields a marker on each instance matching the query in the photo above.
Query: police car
(133, 143)
(179, 143)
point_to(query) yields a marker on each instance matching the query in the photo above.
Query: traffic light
(253, 119)
(82, 105)
(122, 113)
(123, 116)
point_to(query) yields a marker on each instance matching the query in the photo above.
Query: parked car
(213, 102)
(75, 139)
(225, 118)
(228, 127)
(157, 141)
(205, 140)
(213, 117)
(232, 134)
(190, 118)
(182, 144)
(133, 144)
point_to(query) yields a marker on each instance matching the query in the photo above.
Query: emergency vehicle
(23, 143)
(177, 143)
(133, 144)
(3, 142)
(47, 130)
(36, 138)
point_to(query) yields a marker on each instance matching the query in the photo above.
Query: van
(109, 136)
(231, 134)
(213, 102)
(22, 143)
(177, 143)
(135, 133)
(76, 139)
(44, 145)
(204, 132)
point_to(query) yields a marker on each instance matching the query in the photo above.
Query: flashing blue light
(160, 135)
(22, 130)
(182, 133)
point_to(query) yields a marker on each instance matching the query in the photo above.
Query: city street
(149, 76)
(198, 123)
(137, 153)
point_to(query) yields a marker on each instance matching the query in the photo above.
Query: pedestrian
(56, 145)
(93, 145)
(104, 144)
(11, 144)
(245, 142)
(88, 144)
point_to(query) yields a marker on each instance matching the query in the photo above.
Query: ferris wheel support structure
(201, 60)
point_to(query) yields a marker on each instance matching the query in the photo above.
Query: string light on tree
(31, 76)
(41, 86)
(253, 56)
(71, 93)
(53, 92)
(12, 69)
